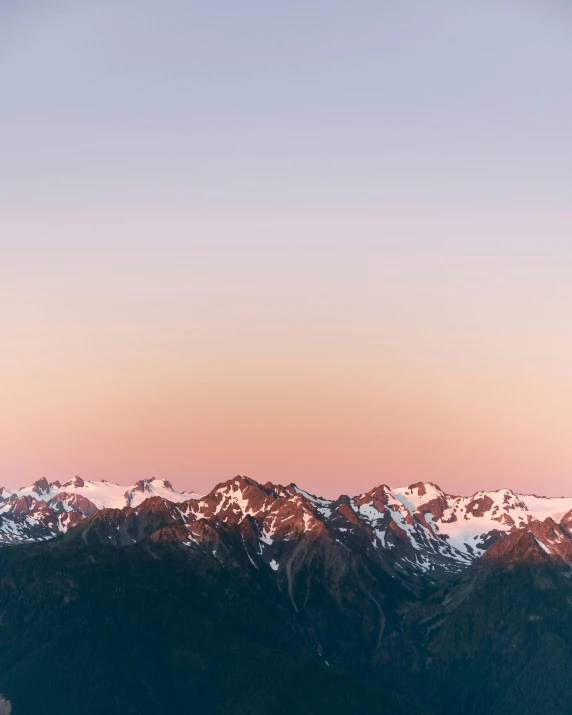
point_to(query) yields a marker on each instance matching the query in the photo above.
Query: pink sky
(339, 372)
(312, 241)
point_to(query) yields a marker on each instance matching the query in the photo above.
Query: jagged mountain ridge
(413, 531)
(45, 509)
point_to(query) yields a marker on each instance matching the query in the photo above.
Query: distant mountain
(46, 509)
(265, 599)
(411, 530)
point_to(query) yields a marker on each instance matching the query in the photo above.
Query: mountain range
(262, 598)
(411, 530)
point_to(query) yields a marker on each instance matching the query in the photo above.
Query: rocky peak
(142, 485)
(76, 483)
(41, 486)
(379, 497)
(236, 498)
(162, 483)
(566, 520)
(423, 489)
(554, 538)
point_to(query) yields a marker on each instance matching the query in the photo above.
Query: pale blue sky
(289, 107)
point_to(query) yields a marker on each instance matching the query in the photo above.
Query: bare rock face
(76, 482)
(542, 542)
(479, 507)
(23, 505)
(566, 521)
(141, 486)
(419, 487)
(518, 548)
(75, 502)
(41, 486)
(127, 526)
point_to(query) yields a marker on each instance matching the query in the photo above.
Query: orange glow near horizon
(413, 377)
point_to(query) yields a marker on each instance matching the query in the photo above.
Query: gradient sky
(314, 241)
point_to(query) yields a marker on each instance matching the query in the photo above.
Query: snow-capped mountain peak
(45, 509)
(419, 529)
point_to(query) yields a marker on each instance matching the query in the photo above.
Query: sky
(316, 241)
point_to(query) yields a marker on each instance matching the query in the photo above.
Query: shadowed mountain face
(148, 629)
(501, 638)
(266, 599)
